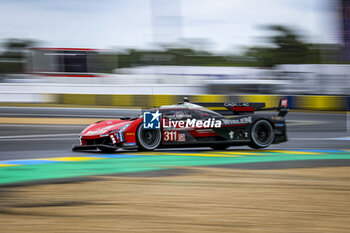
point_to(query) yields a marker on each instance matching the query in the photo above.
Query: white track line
(310, 139)
(38, 136)
(37, 139)
(84, 109)
(59, 115)
(49, 137)
(319, 139)
(304, 122)
(40, 125)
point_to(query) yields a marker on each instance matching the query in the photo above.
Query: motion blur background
(152, 52)
(65, 64)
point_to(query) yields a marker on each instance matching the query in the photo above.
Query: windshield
(201, 108)
(185, 106)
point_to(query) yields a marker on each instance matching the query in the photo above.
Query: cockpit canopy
(188, 110)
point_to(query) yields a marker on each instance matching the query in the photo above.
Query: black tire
(262, 134)
(148, 139)
(219, 147)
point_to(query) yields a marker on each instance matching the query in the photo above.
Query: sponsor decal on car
(237, 104)
(243, 120)
(279, 125)
(178, 116)
(129, 144)
(181, 137)
(171, 136)
(284, 103)
(192, 123)
(151, 120)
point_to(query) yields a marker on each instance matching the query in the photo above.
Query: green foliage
(286, 48)
(172, 56)
(12, 60)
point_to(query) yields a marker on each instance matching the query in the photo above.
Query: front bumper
(92, 147)
(98, 146)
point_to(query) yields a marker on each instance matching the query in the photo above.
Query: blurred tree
(12, 59)
(15, 48)
(183, 56)
(287, 48)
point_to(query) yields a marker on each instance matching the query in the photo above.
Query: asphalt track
(20, 141)
(321, 139)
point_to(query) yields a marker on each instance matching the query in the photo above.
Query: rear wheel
(148, 139)
(262, 134)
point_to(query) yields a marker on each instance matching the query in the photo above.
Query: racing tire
(220, 147)
(148, 139)
(262, 134)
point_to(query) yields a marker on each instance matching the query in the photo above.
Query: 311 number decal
(170, 136)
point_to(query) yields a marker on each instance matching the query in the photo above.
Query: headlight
(121, 129)
(124, 127)
(119, 133)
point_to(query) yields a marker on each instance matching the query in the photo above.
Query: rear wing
(245, 108)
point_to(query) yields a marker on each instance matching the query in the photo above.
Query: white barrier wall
(16, 92)
(23, 98)
(12, 88)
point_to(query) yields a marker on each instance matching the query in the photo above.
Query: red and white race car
(189, 125)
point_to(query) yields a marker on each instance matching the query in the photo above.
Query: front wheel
(148, 139)
(262, 134)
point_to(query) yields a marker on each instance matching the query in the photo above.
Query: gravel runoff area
(194, 200)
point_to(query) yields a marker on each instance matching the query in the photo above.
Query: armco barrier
(329, 103)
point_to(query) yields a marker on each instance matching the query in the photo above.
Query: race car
(189, 124)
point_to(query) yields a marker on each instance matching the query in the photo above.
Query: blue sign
(151, 120)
